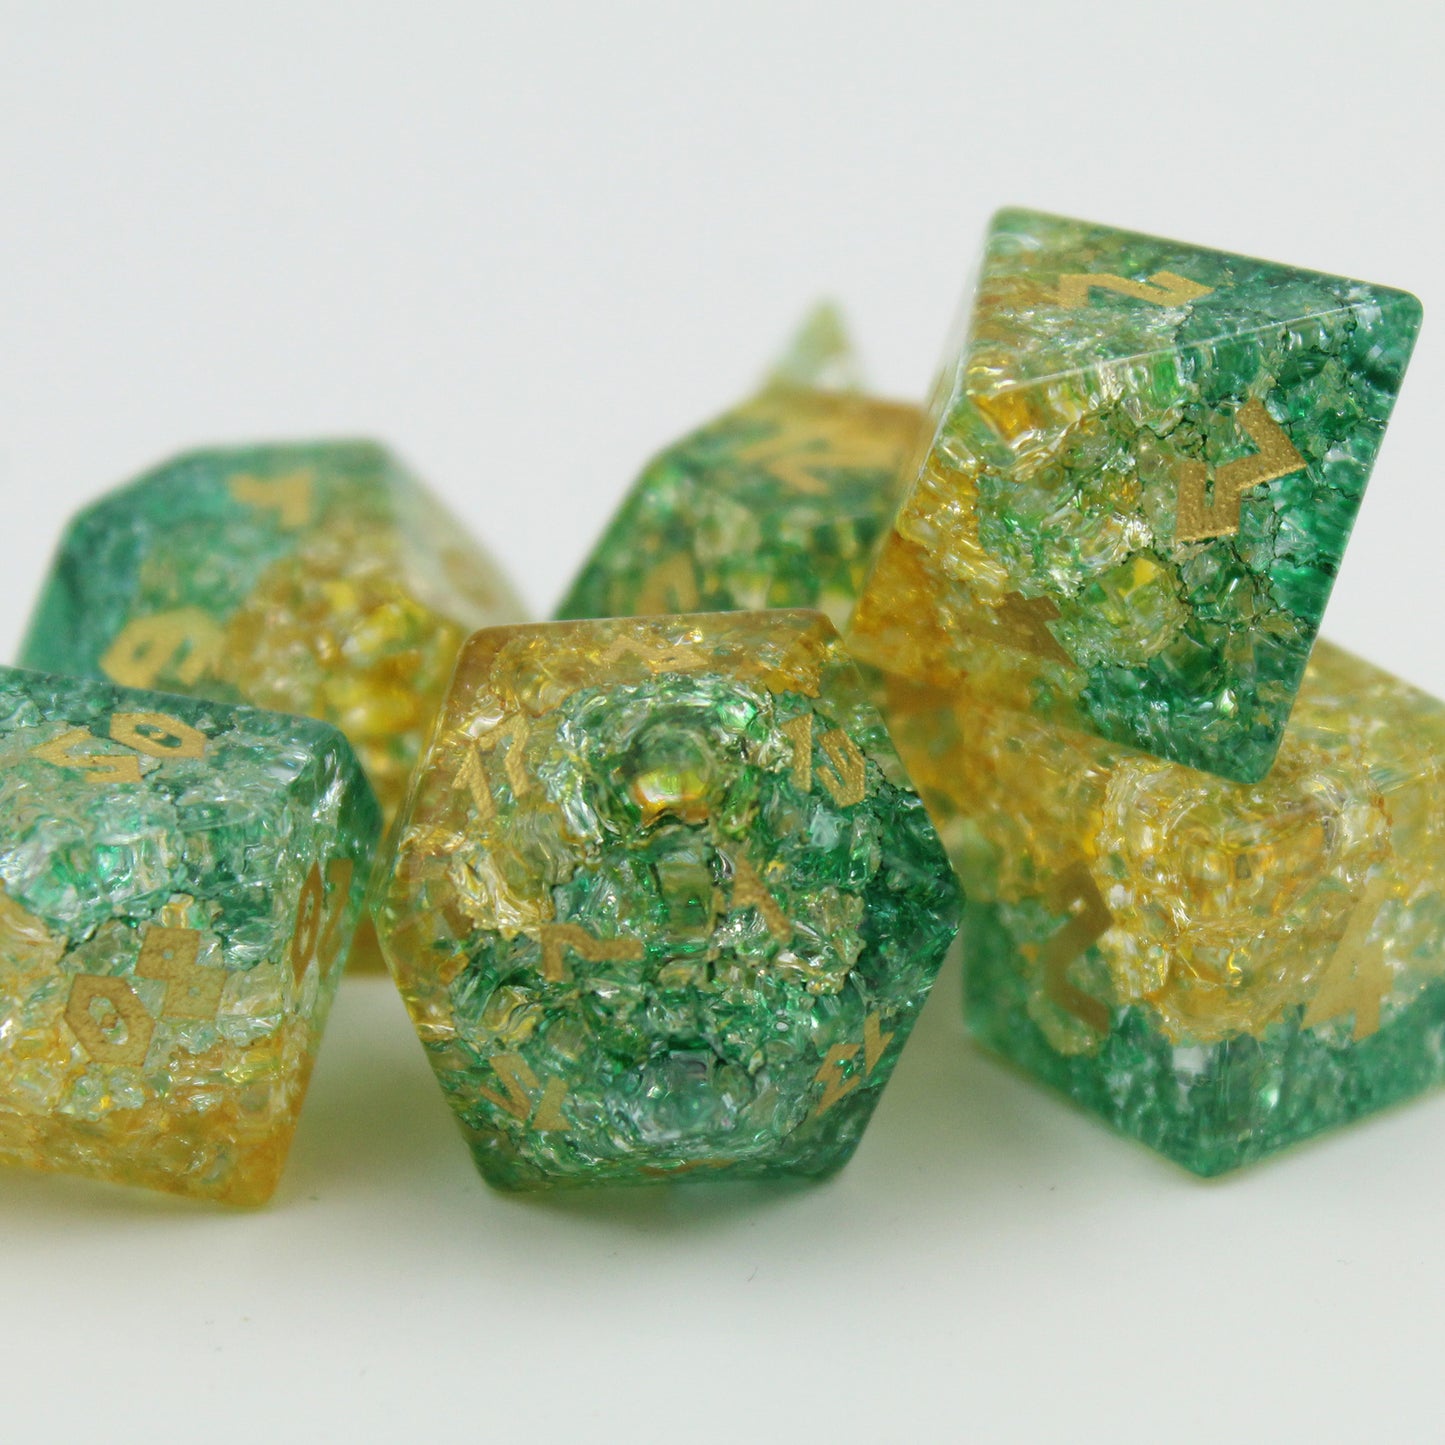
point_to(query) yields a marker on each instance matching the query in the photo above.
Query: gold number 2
(1194, 519)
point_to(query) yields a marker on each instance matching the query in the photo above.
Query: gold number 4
(833, 1074)
(520, 1084)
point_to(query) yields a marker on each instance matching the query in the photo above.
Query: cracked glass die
(1143, 465)
(663, 902)
(313, 578)
(179, 885)
(1217, 969)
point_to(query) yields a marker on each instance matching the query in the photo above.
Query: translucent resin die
(1216, 969)
(779, 503)
(1143, 463)
(318, 579)
(663, 903)
(179, 885)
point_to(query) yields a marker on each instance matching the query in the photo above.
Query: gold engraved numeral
(108, 1018)
(106, 1014)
(846, 774)
(847, 777)
(170, 954)
(837, 1080)
(290, 497)
(183, 644)
(514, 732)
(781, 455)
(1196, 520)
(557, 938)
(520, 1084)
(549, 1116)
(750, 891)
(98, 767)
(472, 775)
(799, 732)
(671, 586)
(157, 734)
(791, 469)
(875, 1041)
(317, 931)
(1357, 978)
(1163, 288)
(656, 654)
(1075, 894)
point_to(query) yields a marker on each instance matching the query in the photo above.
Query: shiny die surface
(1219, 970)
(779, 503)
(312, 578)
(663, 902)
(179, 885)
(1144, 464)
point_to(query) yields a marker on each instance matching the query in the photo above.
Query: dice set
(668, 880)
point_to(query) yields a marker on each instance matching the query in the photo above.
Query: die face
(1138, 491)
(1218, 970)
(179, 884)
(780, 503)
(663, 903)
(317, 579)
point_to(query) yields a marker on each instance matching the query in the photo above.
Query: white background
(529, 244)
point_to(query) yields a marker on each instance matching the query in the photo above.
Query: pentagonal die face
(1146, 459)
(318, 579)
(663, 902)
(1218, 970)
(179, 884)
(777, 504)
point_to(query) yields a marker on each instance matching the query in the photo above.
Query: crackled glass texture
(1217, 969)
(315, 578)
(1143, 464)
(779, 503)
(664, 903)
(179, 885)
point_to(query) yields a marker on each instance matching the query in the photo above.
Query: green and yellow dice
(1141, 466)
(1216, 969)
(313, 578)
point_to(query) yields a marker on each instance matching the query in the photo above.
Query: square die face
(1218, 970)
(662, 900)
(780, 503)
(1145, 463)
(179, 883)
(311, 578)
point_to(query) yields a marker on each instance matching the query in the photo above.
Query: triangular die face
(1058, 296)
(1145, 461)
